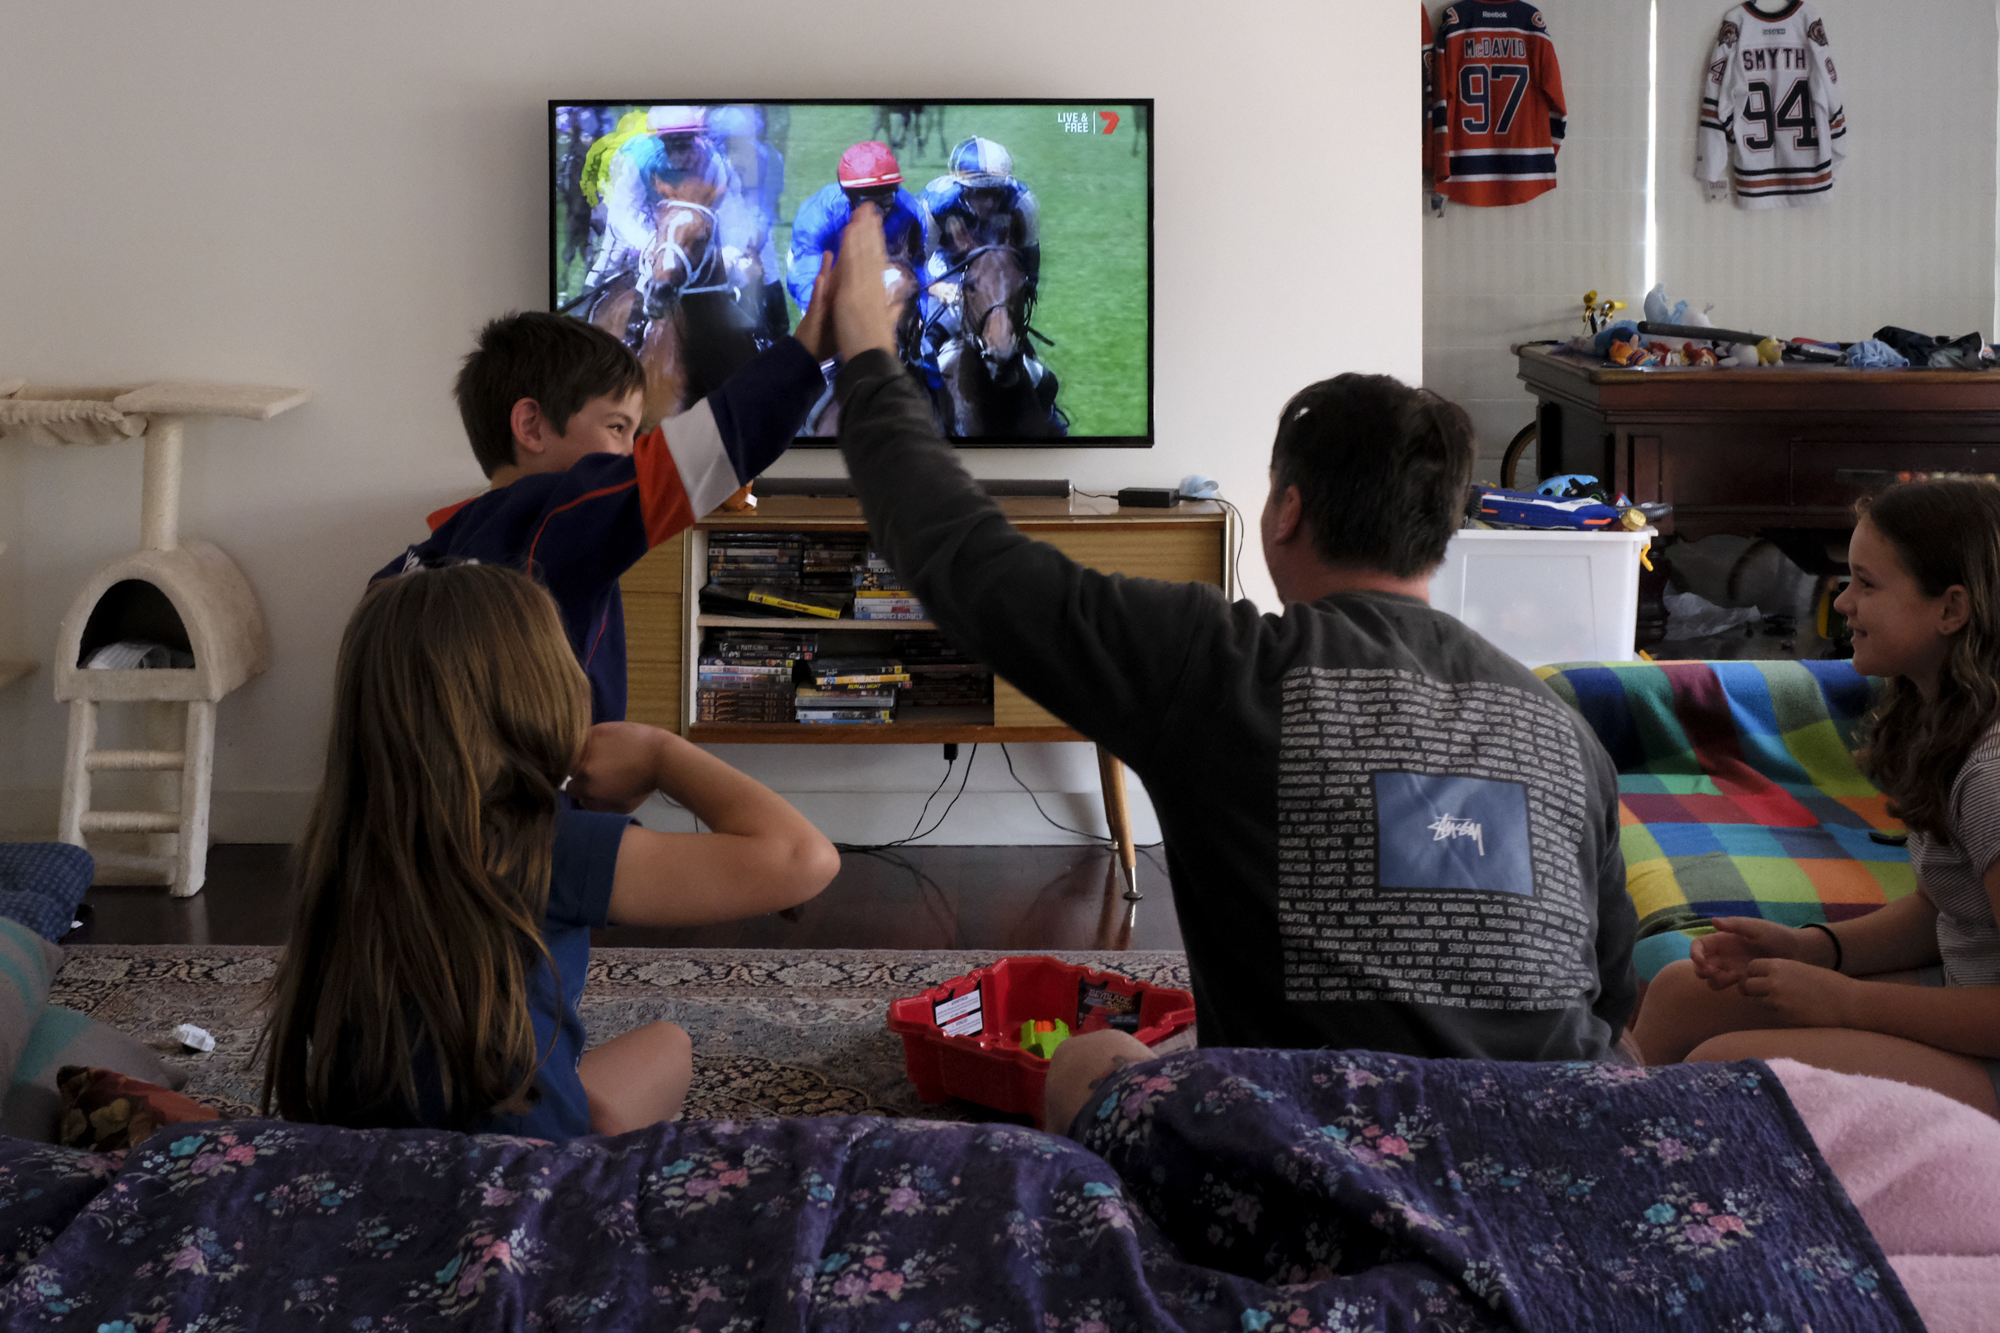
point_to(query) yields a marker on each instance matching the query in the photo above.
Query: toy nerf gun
(1526, 509)
(1041, 1036)
(1768, 349)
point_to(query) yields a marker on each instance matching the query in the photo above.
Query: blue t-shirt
(586, 855)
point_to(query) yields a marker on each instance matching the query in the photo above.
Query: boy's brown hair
(559, 361)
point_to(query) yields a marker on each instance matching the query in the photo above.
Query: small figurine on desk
(1597, 314)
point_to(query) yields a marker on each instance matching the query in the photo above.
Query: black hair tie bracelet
(1828, 932)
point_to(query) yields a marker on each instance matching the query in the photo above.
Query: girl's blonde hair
(424, 870)
(1945, 532)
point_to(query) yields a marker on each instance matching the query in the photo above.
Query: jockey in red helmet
(868, 172)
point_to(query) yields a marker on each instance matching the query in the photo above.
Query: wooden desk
(663, 626)
(1744, 450)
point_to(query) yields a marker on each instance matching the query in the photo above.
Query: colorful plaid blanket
(1739, 794)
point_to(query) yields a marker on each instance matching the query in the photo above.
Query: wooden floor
(911, 898)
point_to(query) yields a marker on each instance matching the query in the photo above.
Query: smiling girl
(1912, 991)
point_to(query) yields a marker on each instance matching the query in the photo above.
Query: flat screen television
(1020, 236)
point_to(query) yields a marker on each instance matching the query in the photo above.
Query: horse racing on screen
(1019, 238)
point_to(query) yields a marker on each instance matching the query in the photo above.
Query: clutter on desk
(1674, 335)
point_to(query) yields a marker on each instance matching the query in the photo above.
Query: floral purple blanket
(1248, 1191)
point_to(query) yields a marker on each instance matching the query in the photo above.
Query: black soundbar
(844, 486)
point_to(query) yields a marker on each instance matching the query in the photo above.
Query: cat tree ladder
(209, 600)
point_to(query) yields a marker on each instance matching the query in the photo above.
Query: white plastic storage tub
(1544, 597)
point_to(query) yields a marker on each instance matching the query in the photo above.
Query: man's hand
(813, 329)
(1799, 995)
(862, 318)
(619, 767)
(1724, 959)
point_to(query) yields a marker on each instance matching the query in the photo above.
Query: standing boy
(551, 405)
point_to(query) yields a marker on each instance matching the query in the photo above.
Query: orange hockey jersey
(1497, 104)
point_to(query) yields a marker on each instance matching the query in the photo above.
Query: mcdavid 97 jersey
(1496, 106)
(1771, 114)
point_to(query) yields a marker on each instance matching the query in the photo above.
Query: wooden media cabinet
(1189, 543)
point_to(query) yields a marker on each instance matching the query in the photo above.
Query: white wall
(335, 196)
(1494, 277)
(1907, 236)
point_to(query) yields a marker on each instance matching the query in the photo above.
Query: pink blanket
(1925, 1172)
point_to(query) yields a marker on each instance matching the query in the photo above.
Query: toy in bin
(983, 1037)
(1043, 1035)
(1528, 509)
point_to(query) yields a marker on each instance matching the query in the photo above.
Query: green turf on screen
(1093, 297)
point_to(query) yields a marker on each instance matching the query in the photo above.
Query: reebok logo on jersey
(1444, 826)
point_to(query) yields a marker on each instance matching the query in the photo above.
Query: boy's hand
(618, 768)
(861, 315)
(814, 329)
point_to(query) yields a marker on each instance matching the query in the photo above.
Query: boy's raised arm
(691, 463)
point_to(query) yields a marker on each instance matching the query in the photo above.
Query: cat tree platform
(184, 595)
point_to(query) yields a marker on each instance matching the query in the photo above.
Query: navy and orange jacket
(575, 532)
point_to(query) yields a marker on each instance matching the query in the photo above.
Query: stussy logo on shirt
(1449, 826)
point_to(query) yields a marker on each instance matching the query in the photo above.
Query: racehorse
(990, 389)
(896, 123)
(680, 308)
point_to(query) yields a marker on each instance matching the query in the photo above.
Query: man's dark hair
(1381, 468)
(560, 362)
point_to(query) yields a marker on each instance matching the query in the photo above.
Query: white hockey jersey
(1771, 114)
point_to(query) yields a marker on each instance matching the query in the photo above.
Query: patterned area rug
(775, 1033)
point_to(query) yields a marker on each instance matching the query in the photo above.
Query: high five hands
(850, 310)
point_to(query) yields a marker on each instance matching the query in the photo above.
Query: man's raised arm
(1103, 652)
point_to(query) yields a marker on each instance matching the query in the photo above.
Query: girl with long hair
(447, 889)
(1910, 991)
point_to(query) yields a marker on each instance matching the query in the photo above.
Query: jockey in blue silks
(868, 172)
(980, 203)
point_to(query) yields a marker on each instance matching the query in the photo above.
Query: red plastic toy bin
(989, 1067)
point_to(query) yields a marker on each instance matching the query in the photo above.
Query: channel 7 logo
(1079, 122)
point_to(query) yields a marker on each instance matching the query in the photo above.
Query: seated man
(1382, 831)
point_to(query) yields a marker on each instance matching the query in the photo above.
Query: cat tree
(184, 593)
